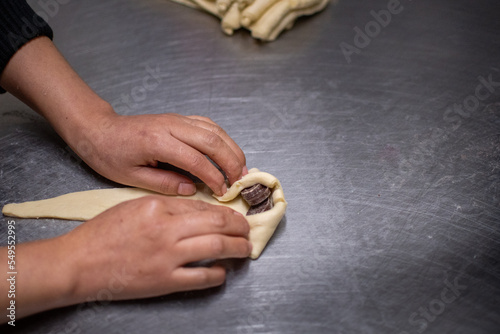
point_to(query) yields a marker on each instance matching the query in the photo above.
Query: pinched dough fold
(262, 225)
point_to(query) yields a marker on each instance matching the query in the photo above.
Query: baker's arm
(42, 279)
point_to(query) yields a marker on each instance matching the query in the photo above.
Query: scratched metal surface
(393, 185)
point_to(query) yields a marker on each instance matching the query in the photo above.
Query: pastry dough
(265, 19)
(86, 205)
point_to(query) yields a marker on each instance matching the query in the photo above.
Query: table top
(383, 130)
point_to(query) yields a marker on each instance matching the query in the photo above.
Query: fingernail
(244, 171)
(224, 189)
(186, 189)
(250, 247)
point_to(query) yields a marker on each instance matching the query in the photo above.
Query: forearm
(44, 280)
(40, 76)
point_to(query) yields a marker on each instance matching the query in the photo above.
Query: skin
(139, 248)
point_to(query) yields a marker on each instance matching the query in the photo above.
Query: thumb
(163, 181)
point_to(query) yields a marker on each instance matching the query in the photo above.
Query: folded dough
(86, 205)
(265, 19)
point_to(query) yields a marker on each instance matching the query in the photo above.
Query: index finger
(207, 124)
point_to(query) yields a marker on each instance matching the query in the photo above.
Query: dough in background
(265, 19)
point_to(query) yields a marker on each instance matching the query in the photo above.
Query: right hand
(139, 248)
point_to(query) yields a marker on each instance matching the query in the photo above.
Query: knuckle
(234, 166)
(218, 179)
(167, 186)
(204, 119)
(153, 139)
(200, 205)
(151, 204)
(218, 130)
(212, 139)
(219, 220)
(150, 207)
(217, 246)
(197, 161)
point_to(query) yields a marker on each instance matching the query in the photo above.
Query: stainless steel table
(384, 131)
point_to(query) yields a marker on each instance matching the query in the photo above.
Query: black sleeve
(18, 25)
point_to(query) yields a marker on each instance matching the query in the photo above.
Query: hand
(136, 249)
(127, 149)
(150, 240)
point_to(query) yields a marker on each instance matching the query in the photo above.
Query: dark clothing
(18, 25)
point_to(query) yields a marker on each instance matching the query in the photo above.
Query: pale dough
(86, 205)
(265, 19)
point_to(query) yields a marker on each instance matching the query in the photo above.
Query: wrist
(40, 76)
(46, 276)
(90, 275)
(85, 120)
(84, 131)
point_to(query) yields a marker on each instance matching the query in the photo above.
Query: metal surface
(393, 224)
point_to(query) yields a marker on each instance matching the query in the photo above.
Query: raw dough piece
(231, 20)
(265, 19)
(262, 225)
(86, 205)
(282, 15)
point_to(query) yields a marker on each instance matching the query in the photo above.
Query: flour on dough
(86, 205)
